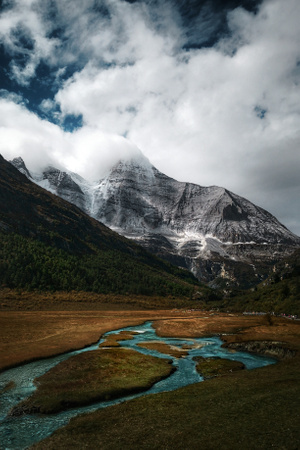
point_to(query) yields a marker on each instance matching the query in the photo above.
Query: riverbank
(90, 377)
(29, 335)
(244, 409)
(256, 409)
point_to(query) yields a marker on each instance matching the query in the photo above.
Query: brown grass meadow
(257, 409)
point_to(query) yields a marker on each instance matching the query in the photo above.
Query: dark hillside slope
(279, 293)
(46, 243)
(27, 209)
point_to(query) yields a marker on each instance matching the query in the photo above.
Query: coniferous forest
(32, 265)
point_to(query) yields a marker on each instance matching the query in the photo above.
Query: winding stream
(21, 432)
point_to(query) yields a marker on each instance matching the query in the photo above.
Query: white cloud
(227, 115)
(22, 133)
(47, 105)
(24, 34)
(40, 143)
(94, 152)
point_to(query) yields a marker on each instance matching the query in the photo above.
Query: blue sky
(207, 90)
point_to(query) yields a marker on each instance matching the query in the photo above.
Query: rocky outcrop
(64, 186)
(20, 165)
(274, 349)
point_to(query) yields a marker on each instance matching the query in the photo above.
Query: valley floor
(256, 409)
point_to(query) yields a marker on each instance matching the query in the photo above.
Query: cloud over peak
(208, 91)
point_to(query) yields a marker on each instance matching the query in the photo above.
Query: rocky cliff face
(209, 230)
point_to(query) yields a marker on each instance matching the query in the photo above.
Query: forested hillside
(48, 244)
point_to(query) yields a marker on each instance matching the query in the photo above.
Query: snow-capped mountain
(209, 230)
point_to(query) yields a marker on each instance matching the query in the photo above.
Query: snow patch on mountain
(182, 221)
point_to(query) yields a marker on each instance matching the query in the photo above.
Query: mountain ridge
(209, 230)
(46, 243)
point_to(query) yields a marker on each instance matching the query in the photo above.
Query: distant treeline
(29, 264)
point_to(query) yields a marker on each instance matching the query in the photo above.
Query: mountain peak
(136, 162)
(20, 165)
(200, 228)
